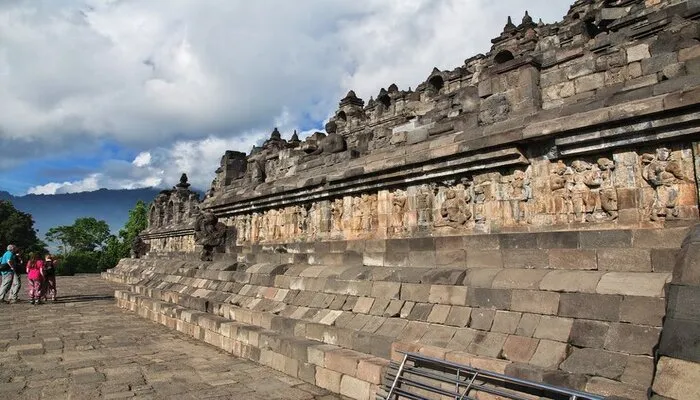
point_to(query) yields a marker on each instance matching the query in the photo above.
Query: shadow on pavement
(81, 298)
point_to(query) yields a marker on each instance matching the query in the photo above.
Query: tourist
(10, 274)
(49, 283)
(35, 275)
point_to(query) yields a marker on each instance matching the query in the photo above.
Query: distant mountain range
(52, 210)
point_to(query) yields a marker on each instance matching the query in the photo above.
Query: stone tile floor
(84, 347)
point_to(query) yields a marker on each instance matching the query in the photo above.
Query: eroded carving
(209, 233)
(454, 210)
(663, 174)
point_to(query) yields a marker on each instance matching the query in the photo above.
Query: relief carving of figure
(314, 220)
(357, 214)
(255, 227)
(519, 193)
(278, 224)
(608, 193)
(583, 199)
(424, 205)
(337, 215)
(208, 233)
(138, 247)
(454, 211)
(559, 184)
(369, 207)
(398, 210)
(662, 173)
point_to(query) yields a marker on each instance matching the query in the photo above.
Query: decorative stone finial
(509, 26)
(351, 99)
(183, 182)
(527, 19)
(393, 88)
(275, 135)
(295, 137)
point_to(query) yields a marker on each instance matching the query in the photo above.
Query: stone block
(317, 354)
(438, 335)
(484, 259)
(438, 315)
(624, 260)
(481, 242)
(519, 349)
(528, 324)
(451, 258)
(420, 312)
(379, 306)
(571, 281)
(606, 238)
(343, 360)
(549, 354)
(392, 327)
(638, 52)
(689, 53)
(535, 301)
(406, 309)
(506, 322)
(595, 362)
(385, 290)
(458, 316)
(327, 379)
(354, 388)
(633, 283)
(525, 258)
(482, 319)
(414, 331)
(573, 259)
(677, 379)
(614, 389)
(393, 309)
(518, 279)
(639, 371)
(588, 333)
(517, 241)
(590, 82)
(490, 298)
(632, 339)
(462, 338)
(488, 344)
(590, 306)
(444, 294)
(481, 277)
(663, 260)
(443, 276)
(372, 370)
(642, 310)
(363, 305)
(415, 292)
(554, 328)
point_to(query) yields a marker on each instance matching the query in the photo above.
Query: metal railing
(420, 377)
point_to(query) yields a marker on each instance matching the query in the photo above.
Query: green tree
(137, 222)
(118, 248)
(17, 227)
(85, 235)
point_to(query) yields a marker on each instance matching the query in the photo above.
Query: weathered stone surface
(632, 339)
(595, 362)
(519, 349)
(590, 306)
(677, 379)
(549, 354)
(633, 284)
(587, 333)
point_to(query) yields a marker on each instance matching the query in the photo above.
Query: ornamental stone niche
(520, 212)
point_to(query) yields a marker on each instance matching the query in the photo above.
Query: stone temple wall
(521, 213)
(587, 123)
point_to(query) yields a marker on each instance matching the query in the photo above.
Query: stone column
(678, 364)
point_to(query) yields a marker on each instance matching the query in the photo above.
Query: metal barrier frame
(465, 379)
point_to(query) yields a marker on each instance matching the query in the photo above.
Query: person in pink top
(35, 274)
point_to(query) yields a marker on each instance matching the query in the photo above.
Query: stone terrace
(82, 347)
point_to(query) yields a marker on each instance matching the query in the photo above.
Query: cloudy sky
(131, 93)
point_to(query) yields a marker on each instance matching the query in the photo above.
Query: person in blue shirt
(10, 275)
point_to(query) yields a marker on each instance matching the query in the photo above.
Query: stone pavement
(84, 347)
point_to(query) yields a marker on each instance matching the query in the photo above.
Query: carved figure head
(663, 154)
(450, 194)
(606, 164)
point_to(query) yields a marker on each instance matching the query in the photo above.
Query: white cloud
(182, 81)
